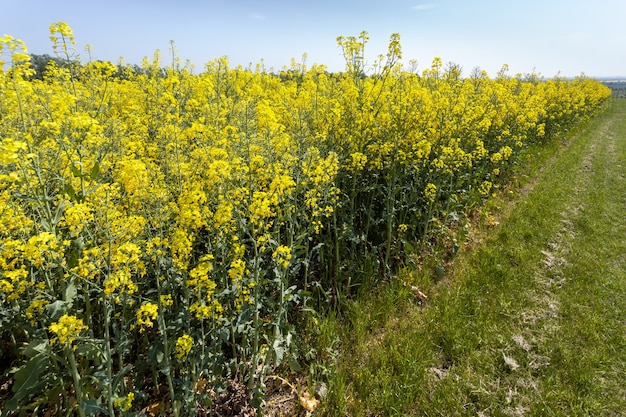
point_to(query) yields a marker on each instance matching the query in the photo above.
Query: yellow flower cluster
(125, 403)
(203, 310)
(183, 347)
(35, 308)
(67, 329)
(282, 256)
(430, 192)
(146, 315)
(10, 151)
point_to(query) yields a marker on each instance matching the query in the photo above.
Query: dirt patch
(234, 401)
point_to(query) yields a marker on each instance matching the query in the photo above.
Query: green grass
(530, 318)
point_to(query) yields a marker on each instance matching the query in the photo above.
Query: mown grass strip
(587, 353)
(530, 322)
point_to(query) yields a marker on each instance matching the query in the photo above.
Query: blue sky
(566, 37)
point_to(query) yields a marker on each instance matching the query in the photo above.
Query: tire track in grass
(522, 355)
(517, 367)
(541, 320)
(590, 349)
(544, 323)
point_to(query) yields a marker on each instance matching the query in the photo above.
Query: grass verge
(529, 319)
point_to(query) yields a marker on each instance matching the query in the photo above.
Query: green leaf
(294, 365)
(257, 397)
(92, 350)
(155, 354)
(75, 170)
(27, 378)
(70, 293)
(120, 375)
(59, 213)
(56, 309)
(90, 191)
(93, 407)
(408, 247)
(70, 191)
(279, 351)
(95, 171)
(37, 347)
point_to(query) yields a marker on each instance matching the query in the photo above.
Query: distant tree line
(40, 64)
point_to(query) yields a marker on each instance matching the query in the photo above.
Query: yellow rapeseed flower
(430, 192)
(146, 314)
(120, 281)
(183, 347)
(358, 161)
(203, 311)
(282, 256)
(77, 217)
(166, 300)
(35, 307)
(10, 150)
(125, 403)
(67, 329)
(40, 248)
(485, 187)
(237, 270)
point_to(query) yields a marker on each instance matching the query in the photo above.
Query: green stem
(106, 310)
(19, 102)
(109, 359)
(76, 377)
(391, 213)
(255, 341)
(155, 374)
(166, 348)
(337, 242)
(306, 274)
(168, 366)
(71, 69)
